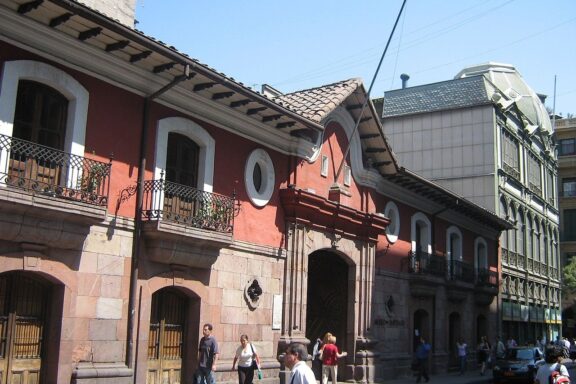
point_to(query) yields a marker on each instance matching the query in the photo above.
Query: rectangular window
(534, 176)
(324, 170)
(570, 225)
(510, 156)
(347, 175)
(567, 147)
(569, 187)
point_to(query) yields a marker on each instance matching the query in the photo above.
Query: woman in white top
(247, 359)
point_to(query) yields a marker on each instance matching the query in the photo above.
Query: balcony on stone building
(460, 270)
(45, 178)
(185, 225)
(49, 196)
(423, 263)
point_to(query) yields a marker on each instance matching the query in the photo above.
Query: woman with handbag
(248, 361)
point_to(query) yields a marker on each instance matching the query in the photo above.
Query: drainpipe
(130, 360)
(433, 229)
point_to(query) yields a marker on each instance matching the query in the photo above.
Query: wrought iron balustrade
(425, 263)
(460, 270)
(505, 258)
(511, 170)
(165, 200)
(43, 170)
(486, 278)
(535, 188)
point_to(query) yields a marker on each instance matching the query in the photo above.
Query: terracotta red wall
(114, 126)
(307, 175)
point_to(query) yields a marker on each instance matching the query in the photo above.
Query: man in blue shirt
(422, 352)
(207, 357)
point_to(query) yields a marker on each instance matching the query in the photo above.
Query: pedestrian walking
(207, 357)
(462, 354)
(422, 353)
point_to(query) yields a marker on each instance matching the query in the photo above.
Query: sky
(300, 44)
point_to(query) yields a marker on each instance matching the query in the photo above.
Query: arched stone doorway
(421, 327)
(454, 334)
(170, 347)
(327, 299)
(30, 316)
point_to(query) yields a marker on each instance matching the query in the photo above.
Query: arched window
(197, 135)
(529, 235)
(504, 214)
(421, 234)
(480, 253)
(182, 160)
(520, 232)
(536, 238)
(454, 250)
(512, 232)
(15, 76)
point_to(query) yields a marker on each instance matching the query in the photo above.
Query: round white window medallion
(393, 229)
(259, 168)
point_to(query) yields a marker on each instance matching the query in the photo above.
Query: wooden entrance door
(181, 169)
(22, 316)
(166, 337)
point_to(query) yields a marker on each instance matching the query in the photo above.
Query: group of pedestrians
(247, 361)
(246, 358)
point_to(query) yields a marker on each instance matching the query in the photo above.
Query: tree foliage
(569, 277)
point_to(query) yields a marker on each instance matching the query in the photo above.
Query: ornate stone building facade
(486, 135)
(143, 194)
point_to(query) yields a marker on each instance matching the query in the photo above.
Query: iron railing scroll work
(165, 200)
(43, 170)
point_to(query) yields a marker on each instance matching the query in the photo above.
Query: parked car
(519, 365)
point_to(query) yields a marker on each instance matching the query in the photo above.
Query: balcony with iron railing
(422, 263)
(185, 225)
(52, 181)
(511, 170)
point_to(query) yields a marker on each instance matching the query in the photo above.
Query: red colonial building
(143, 193)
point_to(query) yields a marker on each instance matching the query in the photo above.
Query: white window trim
(477, 242)
(194, 132)
(262, 158)
(453, 230)
(391, 206)
(419, 216)
(324, 166)
(77, 95)
(347, 175)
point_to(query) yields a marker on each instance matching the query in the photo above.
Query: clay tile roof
(316, 103)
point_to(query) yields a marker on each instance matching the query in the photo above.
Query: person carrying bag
(248, 361)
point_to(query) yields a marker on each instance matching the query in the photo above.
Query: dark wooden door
(182, 170)
(23, 303)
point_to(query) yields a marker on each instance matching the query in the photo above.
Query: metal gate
(22, 315)
(166, 336)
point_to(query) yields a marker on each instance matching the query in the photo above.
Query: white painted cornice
(67, 51)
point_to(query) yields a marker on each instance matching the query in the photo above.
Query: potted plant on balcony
(93, 178)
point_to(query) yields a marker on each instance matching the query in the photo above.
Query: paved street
(470, 377)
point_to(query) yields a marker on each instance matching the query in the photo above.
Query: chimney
(404, 77)
(120, 10)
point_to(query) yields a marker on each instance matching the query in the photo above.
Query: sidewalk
(470, 376)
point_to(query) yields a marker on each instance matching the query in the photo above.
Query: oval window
(392, 230)
(259, 177)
